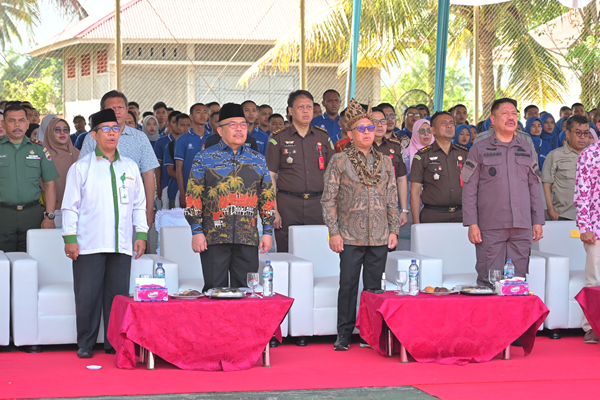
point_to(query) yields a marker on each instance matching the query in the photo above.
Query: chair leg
(506, 353)
(267, 356)
(554, 334)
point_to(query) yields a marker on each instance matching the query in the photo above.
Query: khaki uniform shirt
(440, 174)
(392, 148)
(502, 185)
(21, 169)
(559, 170)
(296, 159)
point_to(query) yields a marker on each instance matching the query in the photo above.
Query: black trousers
(296, 211)
(373, 258)
(219, 259)
(97, 279)
(15, 224)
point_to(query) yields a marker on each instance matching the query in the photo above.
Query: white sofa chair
(314, 280)
(564, 280)
(42, 297)
(450, 243)
(4, 300)
(176, 248)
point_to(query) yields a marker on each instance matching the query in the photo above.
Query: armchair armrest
(556, 289)
(171, 271)
(24, 298)
(301, 289)
(430, 268)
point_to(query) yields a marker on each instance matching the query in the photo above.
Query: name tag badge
(124, 195)
(32, 157)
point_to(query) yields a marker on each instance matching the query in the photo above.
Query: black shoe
(33, 349)
(342, 343)
(110, 351)
(517, 343)
(85, 353)
(273, 343)
(302, 341)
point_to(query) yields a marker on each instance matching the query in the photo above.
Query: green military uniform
(21, 167)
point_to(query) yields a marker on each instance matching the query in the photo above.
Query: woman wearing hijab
(150, 128)
(64, 154)
(474, 132)
(32, 131)
(487, 125)
(549, 140)
(561, 125)
(462, 136)
(44, 125)
(421, 137)
(534, 128)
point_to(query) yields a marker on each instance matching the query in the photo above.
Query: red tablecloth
(589, 300)
(203, 334)
(451, 329)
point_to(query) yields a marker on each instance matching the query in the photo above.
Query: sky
(53, 22)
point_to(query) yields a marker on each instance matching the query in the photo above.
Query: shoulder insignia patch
(273, 140)
(461, 147)
(37, 142)
(330, 143)
(277, 131)
(418, 157)
(319, 128)
(394, 140)
(425, 149)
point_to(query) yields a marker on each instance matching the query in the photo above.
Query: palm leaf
(70, 7)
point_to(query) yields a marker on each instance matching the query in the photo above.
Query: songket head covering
(356, 112)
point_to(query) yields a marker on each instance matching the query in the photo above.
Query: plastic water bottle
(509, 269)
(268, 279)
(159, 272)
(383, 282)
(413, 278)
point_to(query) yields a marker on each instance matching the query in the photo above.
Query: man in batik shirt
(229, 185)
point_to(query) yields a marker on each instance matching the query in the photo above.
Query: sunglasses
(363, 129)
(63, 130)
(423, 131)
(380, 121)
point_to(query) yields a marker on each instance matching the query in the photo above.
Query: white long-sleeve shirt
(93, 214)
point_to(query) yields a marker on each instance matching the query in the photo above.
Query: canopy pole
(118, 46)
(302, 47)
(440, 53)
(476, 71)
(351, 84)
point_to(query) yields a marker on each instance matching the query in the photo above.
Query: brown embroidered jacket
(363, 215)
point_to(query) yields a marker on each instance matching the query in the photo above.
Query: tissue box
(150, 281)
(151, 293)
(512, 287)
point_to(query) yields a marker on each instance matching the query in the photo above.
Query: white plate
(441, 293)
(94, 367)
(180, 296)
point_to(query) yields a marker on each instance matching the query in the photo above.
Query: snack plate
(229, 293)
(441, 293)
(468, 291)
(184, 297)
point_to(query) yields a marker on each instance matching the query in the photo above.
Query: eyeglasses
(582, 134)
(235, 125)
(413, 115)
(390, 116)
(63, 130)
(106, 129)
(362, 129)
(423, 131)
(380, 121)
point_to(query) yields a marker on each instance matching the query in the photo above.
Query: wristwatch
(49, 215)
(404, 210)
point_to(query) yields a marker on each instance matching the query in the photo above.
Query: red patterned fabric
(203, 334)
(452, 329)
(589, 300)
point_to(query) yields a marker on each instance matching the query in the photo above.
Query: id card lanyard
(124, 191)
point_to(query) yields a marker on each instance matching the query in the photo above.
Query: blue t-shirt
(74, 137)
(208, 128)
(159, 149)
(403, 131)
(186, 147)
(79, 142)
(262, 138)
(332, 126)
(161, 131)
(172, 186)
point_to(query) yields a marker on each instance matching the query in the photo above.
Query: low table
(202, 334)
(449, 329)
(589, 300)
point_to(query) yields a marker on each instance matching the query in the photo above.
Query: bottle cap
(509, 260)
(160, 264)
(413, 261)
(268, 261)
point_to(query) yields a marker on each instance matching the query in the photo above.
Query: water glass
(253, 282)
(401, 279)
(495, 276)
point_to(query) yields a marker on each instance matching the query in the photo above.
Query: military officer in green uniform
(22, 163)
